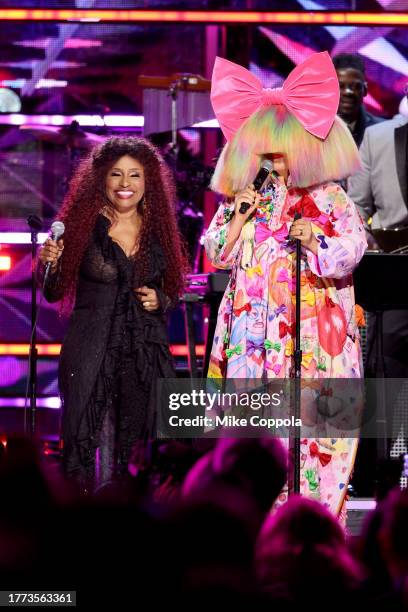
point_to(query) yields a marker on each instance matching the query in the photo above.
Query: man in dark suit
(353, 88)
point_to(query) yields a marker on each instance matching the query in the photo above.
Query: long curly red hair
(86, 197)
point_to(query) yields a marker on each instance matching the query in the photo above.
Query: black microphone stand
(35, 225)
(298, 376)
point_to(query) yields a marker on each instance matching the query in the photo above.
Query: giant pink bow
(263, 232)
(310, 93)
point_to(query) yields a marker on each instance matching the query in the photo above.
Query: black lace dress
(112, 355)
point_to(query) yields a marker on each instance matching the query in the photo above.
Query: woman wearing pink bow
(296, 127)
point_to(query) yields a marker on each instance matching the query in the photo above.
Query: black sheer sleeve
(158, 270)
(165, 302)
(52, 290)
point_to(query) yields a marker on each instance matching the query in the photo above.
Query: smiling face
(125, 183)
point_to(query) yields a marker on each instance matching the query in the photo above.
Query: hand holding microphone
(247, 200)
(52, 248)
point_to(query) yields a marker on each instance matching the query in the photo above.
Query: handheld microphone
(259, 180)
(57, 230)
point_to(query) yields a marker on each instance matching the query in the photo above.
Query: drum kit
(72, 136)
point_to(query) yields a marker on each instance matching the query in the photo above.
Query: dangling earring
(107, 207)
(141, 205)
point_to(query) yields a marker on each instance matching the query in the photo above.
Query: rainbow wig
(273, 129)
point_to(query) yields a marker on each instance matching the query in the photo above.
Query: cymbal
(72, 136)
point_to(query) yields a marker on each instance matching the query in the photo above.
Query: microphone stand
(298, 378)
(35, 225)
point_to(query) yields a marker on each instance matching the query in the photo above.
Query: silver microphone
(57, 230)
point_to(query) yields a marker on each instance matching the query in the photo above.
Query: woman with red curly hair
(120, 264)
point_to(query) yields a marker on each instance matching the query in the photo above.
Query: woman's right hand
(51, 251)
(249, 196)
